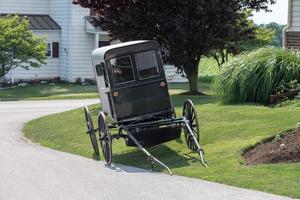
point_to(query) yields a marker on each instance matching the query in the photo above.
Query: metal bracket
(106, 89)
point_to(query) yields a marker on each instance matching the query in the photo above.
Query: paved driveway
(31, 172)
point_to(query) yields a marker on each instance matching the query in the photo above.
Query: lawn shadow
(162, 152)
(178, 100)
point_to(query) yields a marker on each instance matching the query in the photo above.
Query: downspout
(69, 25)
(96, 39)
(289, 22)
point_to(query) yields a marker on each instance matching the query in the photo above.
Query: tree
(18, 46)
(263, 37)
(256, 38)
(277, 28)
(243, 31)
(189, 29)
(247, 36)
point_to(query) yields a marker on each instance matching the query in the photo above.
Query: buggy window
(122, 69)
(146, 64)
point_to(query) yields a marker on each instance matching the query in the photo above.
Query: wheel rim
(105, 139)
(190, 114)
(91, 130)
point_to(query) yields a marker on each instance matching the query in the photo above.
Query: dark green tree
(189, 29)
(18, 46)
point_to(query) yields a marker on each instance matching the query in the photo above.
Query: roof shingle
(39, 22)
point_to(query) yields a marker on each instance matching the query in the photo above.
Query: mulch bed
(283, 149)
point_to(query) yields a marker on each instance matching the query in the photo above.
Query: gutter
(289, 22)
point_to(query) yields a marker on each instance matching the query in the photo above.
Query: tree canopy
(18, 46)
(277, 28)
(189, 29)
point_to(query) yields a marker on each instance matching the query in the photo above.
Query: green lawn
(49, 92)
(225, 131)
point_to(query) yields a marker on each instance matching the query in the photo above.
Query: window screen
(146, 64)
(122, 69)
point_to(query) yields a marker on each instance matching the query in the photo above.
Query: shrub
(254, 76)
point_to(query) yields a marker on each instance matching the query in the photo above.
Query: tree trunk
(191, 69)
(215, 56)
(193, 81)
(192, 75)
(2, 71)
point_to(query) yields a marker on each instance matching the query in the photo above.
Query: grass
(225, 131)
(49, 92)
(208, 69)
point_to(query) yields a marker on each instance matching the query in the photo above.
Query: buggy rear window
(146, 63)
(122, 69)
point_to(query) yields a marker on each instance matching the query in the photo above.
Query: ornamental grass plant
(254, 76)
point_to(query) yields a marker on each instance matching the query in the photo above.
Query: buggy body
(135, 100)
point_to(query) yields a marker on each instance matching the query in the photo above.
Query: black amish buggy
(135, 102)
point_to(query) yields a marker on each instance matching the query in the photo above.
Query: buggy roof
(101, 53)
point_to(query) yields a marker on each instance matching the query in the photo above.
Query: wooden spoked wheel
(91, 130)
(105, 138)
(190, 114)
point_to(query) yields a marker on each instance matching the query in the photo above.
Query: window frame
(49, 49)
(55, 56)
(137, 67)
(132, 67)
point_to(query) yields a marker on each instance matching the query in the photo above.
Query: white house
(70, 38)
(291, 33)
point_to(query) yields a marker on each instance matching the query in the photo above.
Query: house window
(48, 54)
(55, 50)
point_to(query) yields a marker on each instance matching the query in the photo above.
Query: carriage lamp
(162, 84)
(116, 94)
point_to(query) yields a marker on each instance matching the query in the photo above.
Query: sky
(278, 14)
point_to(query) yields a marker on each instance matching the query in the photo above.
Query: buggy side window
(99, 69)
(122, 69)
(147, 64)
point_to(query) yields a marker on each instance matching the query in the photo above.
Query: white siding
(60, 11)
(24, 7)
(48, 71)
(295, 26)
(75, 44)
(82, 46)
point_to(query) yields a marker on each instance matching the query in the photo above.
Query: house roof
(39, 22)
